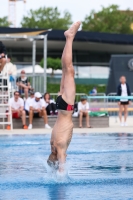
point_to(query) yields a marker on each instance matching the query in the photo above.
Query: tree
(54, 63)
(110, 20)
(47, 18)
(4, 22)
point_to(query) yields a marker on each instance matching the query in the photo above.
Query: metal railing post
(45, 63)
(34, 61)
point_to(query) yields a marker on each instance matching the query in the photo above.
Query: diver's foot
(71, 32)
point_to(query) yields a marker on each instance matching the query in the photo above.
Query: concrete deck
(114, 127)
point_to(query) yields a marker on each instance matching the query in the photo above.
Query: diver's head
(53, 160)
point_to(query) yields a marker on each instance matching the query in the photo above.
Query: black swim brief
(62, 105)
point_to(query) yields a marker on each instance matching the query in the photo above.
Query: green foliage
(110, 20)
(87, 88)
(47, 18)
(54, 88)
(54, 63)
(4, 22)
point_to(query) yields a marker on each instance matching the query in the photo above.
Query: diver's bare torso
(62, 131)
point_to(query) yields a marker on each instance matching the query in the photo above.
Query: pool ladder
(5, 93)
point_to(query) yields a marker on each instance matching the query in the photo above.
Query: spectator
(50, 105)
(16, 104)
(124, 91)
(37, 109)
(83, 109)
(2, 56)
(27, 102)
(11, 70)
(24, 84)
(93, 91)
(75, 113)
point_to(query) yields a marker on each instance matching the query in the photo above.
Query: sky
(78, 8)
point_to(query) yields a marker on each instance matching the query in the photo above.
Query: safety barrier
(112, 104)
(97, 103)
(109, 104)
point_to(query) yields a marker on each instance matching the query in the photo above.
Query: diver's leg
(68, 70)
(62, 82)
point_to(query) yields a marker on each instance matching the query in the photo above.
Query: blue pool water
(98, 167)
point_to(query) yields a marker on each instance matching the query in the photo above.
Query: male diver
(63, 128)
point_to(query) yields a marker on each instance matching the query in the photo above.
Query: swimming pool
(100, 166)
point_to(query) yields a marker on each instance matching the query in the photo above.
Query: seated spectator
(83, 109)
(37, 109)
(16, 104)
(75, 111)
(93, 91)
(50, 105)
(11, 70)
(24, 84)
(27, 102)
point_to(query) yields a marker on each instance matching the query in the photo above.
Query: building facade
(89, 48)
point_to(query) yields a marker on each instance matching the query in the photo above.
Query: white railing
(97, 103)
(109, 104)
(4, 98)
(112, 102)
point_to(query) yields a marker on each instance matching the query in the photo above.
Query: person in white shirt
(50, 105)
(83, 109)
(124, 91)
(27, 102)
(17, 107)
(37, 109)
(11, 70)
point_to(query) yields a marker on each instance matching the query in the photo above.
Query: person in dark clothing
(50, 105)
(124, 91)
(2, 56)
(24, 84)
